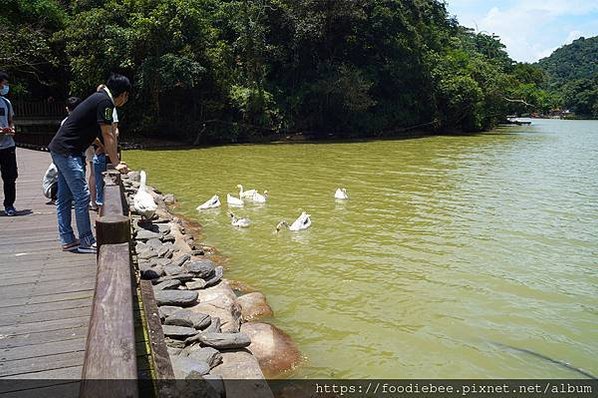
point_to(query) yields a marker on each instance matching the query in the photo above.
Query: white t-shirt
(6, 110)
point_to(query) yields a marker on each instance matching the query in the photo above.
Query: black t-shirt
(83, 125)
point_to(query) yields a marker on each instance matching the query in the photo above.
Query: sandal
(70, 246)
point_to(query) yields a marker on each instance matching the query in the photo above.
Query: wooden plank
(42, 289)
(46, 307)
(49, 377)
(56, 361)
(62, 390)
(43, 349)
(23, 320)
(33, 327)
(110, 352)
(48, 298)
(159, 353)
(22, 340)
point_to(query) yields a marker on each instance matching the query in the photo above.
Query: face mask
(4, 90)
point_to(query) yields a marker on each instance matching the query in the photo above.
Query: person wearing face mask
(91, 119)
(8, 157)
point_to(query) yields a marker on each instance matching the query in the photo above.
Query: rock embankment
(206, 326)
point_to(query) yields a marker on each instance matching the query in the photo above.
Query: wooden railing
(39, 109)
(111, 347)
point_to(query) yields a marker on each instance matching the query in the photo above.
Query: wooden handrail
(110, 349)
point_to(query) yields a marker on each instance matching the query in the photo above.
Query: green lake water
(450, 247)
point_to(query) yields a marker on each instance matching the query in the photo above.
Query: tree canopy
(238, 69)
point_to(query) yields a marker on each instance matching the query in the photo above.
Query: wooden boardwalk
(45, 294)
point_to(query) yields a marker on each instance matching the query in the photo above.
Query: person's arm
(110, 147)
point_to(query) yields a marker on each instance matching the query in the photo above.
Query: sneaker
(71, 246)
(10, 211)
(88, 249)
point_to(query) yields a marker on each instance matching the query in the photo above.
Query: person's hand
(122, 168)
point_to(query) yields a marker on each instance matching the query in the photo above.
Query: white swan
(302, 222)
(245, 194)
(341, 194)
(143, 201)
(239, 222)
(211, 203)
(259, 198)
(233, 201)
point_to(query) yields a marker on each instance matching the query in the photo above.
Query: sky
(530, 29)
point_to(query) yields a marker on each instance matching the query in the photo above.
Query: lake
(450, 250)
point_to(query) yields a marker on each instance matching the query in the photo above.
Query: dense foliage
(572, 74)
(241, 69)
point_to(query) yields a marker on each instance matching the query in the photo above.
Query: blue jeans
(99, 166)
(72, 186)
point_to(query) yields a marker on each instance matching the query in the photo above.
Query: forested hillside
(226, 70)
(572, 73)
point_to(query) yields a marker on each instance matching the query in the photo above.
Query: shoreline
(213, 326)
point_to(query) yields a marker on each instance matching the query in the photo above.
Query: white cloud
(530, 29)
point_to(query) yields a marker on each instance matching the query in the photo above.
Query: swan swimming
(259, 198)
(302, 222)
(245, 194)
(212, 203)
(341, 194)
(233, 201)
(239, 222)
(143, 201)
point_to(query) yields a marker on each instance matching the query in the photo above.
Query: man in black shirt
(91, 119)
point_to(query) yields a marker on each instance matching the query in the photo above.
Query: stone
(134, 176)
(154, 243)
(181, 298)
(202, 268)
(181, 260)
(173, 351)
(254, 306)
(196, 284)
(146, 254)
(164, 229)
(184, 367)
(214, 326)
(188, 318)
(169, 253)
(162, 251)
(241, 365)
(173, 270)
(144, 235)
(180, 277)
(197, 252)
(218, 274)
(139, 246)
(168, 238)
(178, 332)
(167, 310)
(164, 262)
(221, 341)
(151, 272)
(170, 284)
(174, 343)
(220, 301)
(169, 199)
(275, 351)
(209, 355)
